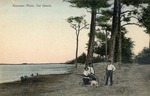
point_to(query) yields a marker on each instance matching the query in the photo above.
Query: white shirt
(89, 71)
(86, 72)
(111, 67)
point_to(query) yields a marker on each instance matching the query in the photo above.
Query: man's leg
(111, 78)
(107, 77)
(106, 83)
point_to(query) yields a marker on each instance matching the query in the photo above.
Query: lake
(10, 73)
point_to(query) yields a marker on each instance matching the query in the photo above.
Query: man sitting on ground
(89, 75)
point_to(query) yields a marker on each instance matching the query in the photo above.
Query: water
(10, 73)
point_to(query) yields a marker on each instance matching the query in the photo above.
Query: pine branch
(130, 24)
(85, 26)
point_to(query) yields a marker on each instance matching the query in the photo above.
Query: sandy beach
(132, 80)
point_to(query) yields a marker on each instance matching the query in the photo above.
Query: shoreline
(10, 73)
(32, 63)
(33, 86)
(39, 78)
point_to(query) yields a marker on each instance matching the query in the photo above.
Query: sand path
(129, 81)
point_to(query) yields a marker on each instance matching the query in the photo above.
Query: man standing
(109, 72)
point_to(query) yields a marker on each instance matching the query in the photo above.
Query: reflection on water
(14, 72)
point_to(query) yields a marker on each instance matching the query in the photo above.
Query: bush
(80, 59)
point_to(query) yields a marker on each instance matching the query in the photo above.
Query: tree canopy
(92, 4)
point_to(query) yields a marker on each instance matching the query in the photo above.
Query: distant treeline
(143, 57)
(82, 58)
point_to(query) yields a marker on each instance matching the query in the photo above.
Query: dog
(94, 83)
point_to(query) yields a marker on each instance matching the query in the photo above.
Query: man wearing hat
(109, 72)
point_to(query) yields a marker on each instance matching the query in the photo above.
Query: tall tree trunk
(120, 35)
(106, 46)
(77, 44)
(113, 32)
(149, 41)
(91, 38)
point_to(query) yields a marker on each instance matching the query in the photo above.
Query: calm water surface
(10, 73)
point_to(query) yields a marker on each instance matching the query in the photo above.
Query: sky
(42, 34)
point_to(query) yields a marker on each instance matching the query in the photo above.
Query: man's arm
(114, 68)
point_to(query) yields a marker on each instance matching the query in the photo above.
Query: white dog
(94, 83)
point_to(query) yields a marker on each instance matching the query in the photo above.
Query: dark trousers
(86, 80)
(92, 77)
(109, 75)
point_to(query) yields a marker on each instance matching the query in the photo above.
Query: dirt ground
(131, 80)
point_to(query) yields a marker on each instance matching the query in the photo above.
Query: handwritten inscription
(31, 5)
